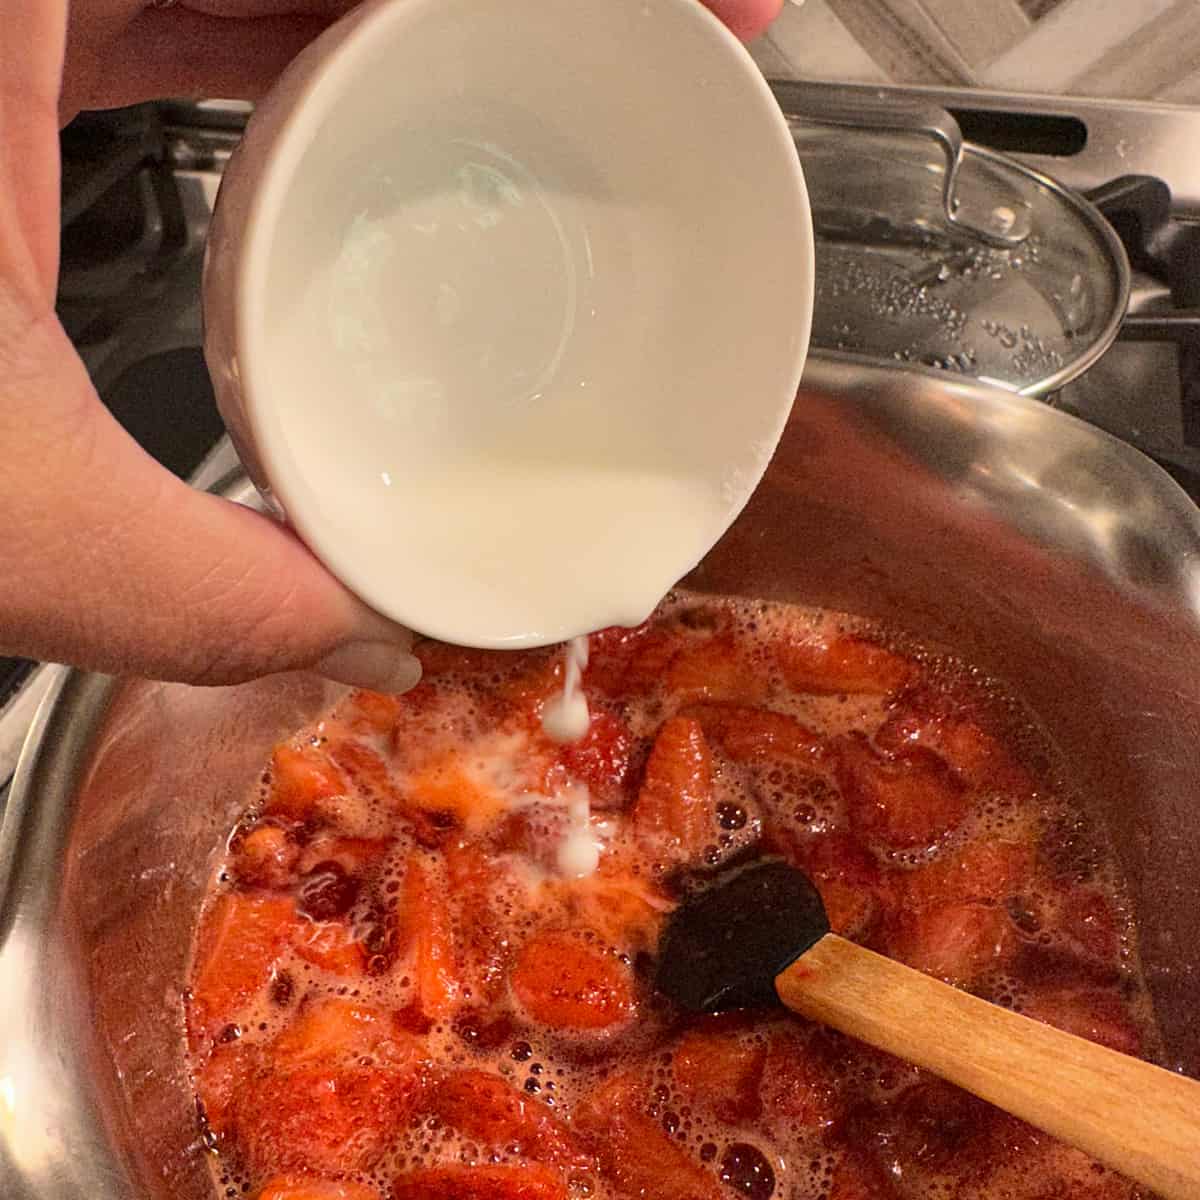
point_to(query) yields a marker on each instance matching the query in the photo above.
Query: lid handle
(847, 107)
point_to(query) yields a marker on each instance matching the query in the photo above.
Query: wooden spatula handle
(1138, 1119)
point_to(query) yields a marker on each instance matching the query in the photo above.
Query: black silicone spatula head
(734, 944)
(724, 946)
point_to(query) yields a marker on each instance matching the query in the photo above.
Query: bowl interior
(515, 295)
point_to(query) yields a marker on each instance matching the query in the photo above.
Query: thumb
(745, 18)
(125, 569)
(254, 600)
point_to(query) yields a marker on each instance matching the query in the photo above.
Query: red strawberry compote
(403, 989)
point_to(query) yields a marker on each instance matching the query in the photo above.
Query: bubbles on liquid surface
(544, 1066)
(747, 1171)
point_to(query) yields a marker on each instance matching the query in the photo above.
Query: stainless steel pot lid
(947, 255)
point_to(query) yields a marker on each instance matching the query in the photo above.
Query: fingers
(181, 52)
(236, 48)
(31, 60)
(244, 9)
(746, 18)
(124, 569)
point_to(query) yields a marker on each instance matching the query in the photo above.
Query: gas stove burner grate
(1161, 333)
(1139, 208)
(13, 673)
(166, 403)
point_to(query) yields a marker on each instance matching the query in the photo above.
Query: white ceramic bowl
(506, 303)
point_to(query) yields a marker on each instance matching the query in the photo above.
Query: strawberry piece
(341, 1031)
(372, 712)
(497, 1116)
(331, 945)
(836, 855)
(354, 855)
(301, 775)
(326, 1120)
(382, 720)
(636, 1154)
(720, 1071)
(1038, 1168)
(624, 662)
(528, 690)
(484, 1029)
(938, 1127)
(852, 910)
(933, 721)
(532, 834)
(829, 664)
(219, 1083)
(676, 797)
(470, 872)
(369, 792)
(799, 1086)
(613, 640)
(1089, 923)
(264, 856)
(1097, 1014)
(356, 815)
(440, 658)
(981, 759)
(625, 909)
(334, 1030)
(366, 769)
(428, 942)
(756, 734)
(954, 942)
(1072, 936)
(446, 792)
(844, 871)
(981, 870)
(321, 1108)
(856, 1178)
(601, 760)
(1081, 1178)
(908, 799)
(240, 939)
(562, 981)
(483, 949)
(299, 1187)
(713, 669)
(456, 1181)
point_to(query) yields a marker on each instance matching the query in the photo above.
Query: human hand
(112, 563)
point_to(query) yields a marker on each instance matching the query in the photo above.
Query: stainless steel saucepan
(1040, 548)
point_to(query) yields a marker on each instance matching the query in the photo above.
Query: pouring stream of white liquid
(566, 719)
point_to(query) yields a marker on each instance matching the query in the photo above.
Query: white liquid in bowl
(500, 445)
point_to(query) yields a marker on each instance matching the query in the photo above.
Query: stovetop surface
(138, 189)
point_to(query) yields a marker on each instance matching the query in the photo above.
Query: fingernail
(379, 666)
